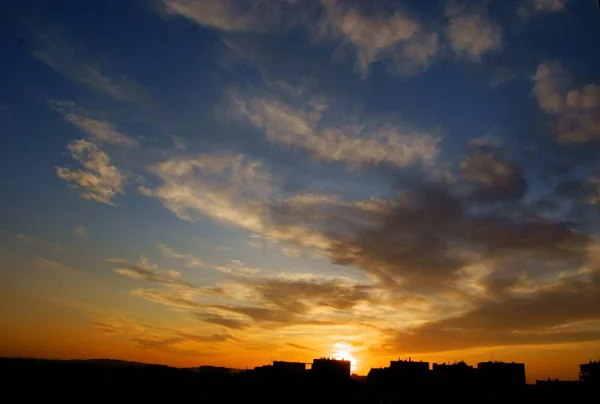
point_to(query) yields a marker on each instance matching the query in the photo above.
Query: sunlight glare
(343, 350)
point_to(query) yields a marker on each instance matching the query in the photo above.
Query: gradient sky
(229, 182)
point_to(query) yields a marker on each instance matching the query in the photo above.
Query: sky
(229, 182)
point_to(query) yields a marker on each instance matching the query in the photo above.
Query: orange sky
(48, 328)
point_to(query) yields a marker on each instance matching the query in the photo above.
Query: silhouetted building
(407, 372)
(557, 383)
(293, 368)
(326, 367)
(455, 374)
(501, 374)
(589, 373)
(410, 367)
(378, 377)
(264, 370)
(400, 373)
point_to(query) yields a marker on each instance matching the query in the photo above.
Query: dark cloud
(558, 314)
(298, 346)
(268, 317)
(176, 338)
(424, 238)
(232, 323)
(261, 314)
(575, 189)
(300, 296)
(494, 176)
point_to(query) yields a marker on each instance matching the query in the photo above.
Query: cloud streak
(56, 51)
(99, 180)
(144, 271)
(98, 131)
(353, 145)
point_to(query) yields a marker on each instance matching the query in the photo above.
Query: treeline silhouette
(23, 380)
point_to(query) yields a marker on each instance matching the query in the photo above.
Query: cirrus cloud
(99, 180)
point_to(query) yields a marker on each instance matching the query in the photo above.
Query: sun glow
(343, 350)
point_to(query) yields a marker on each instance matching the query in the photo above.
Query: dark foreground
(22, 380)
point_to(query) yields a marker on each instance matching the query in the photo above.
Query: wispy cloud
(531, 7)
(99, 131)
(75, 63)
(354, 145)
(39, 242)
(227, 322)
(550, 5)
(230, 189)
(190, 260)
(144, 271)
(99, 180)
(301, 347)
(158, 338)
(231, 15)
(178, 298)
(52, 265)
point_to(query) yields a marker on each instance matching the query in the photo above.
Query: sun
(343, 350)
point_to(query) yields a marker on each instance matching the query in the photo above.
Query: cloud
(495, 177)
(99, 131)
(471, 33)
(239, 192)
(189, 259)
(301, 347)
(228, 188)
(52, 265)
(72, 62)
(529, 8)
(236, 267)
(353, 145)
(157, 338)
(144, 271)
(232, 15)
(38, 242)
(549, 86)
(576, 111)
(428, 239)
(80, 232)
(232, 323)
(550, 5)
(144, 190)
(397, 37)
(268, 301)
(271, 302)
(177, 298)
(566, 312)
(300, 296)
(99, 180)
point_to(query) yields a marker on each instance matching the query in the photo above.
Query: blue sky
(323, 172)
